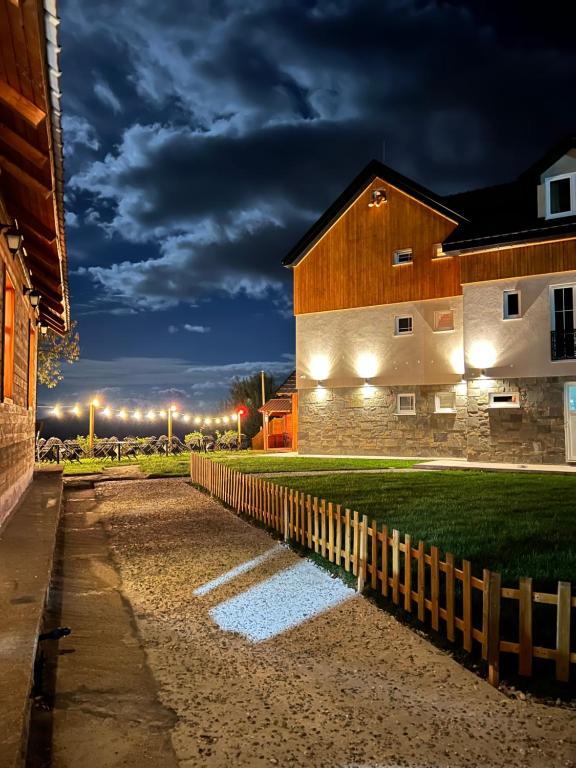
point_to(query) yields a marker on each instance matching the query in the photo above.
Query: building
(280, 428)
(441, 326)
(33, 267)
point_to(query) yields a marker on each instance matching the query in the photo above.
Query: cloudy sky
(203, 137)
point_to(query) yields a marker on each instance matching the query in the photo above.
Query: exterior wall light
(43, 329)
(378, 197)
(13, 238)
(34, 296)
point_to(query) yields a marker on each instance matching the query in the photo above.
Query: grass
(255, 463)
(517, 524)
(161, 466)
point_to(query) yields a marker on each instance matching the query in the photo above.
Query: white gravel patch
(249, 565)
(283, 601)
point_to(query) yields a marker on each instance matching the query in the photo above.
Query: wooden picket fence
(460, 606)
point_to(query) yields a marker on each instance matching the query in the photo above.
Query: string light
(139, 414)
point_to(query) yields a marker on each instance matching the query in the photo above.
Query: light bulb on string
(150, 415)
(197, 420)
(122, 414)
(76, 410)
(137, 415)
(107, 412)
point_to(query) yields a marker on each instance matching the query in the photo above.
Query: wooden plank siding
(519, 261)
(351, 266)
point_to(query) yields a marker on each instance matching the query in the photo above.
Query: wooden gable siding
(519, 261)
(351, 266)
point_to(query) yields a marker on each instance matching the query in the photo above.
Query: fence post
(286, 519)
(435, 587)
(395, 566)
(407, 573)
(362, 553)
(563, 632)
(450, 634)
(525, 628)
(467, 604)
(493, 629)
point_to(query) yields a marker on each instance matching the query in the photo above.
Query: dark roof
(288, 387)
(499, 215)
(277, 405)
(373, 170)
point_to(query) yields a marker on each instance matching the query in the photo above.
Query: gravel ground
(266, 660)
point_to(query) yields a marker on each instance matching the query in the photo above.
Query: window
(511, 308)
(9, 332)
(403, 325)
(444, 320)
(508, 400)
(445, 402)
(406, 405)
(403, 256)
(31, 365)
(561, 195)
(563, 323)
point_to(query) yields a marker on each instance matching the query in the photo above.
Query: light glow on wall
(457, 360)
(320, 367)
(482, 355)
(367, 365)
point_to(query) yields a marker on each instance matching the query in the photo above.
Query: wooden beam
(28, 221)
(25, 108)
(52, 323)
(45, 282)
(13, 140)
(42, 261)
(24, 178)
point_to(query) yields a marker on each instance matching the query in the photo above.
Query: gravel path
(266, 660)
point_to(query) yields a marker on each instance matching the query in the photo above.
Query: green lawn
(165, 466)
(251, 462)
(517, 524)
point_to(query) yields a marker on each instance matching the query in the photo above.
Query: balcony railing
(563, 345)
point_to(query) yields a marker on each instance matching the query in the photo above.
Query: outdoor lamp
(33, 295)
(43, 329)
(13, 240)
(378, 197)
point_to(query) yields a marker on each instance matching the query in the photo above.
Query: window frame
(397, 331)
(505, 314)
(412, 411)
(559, 177)
(8, 338)
(443, 312)
(438, 408)
(503, 404)
(402, 252)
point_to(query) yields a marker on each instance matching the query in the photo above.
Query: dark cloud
(203, 138)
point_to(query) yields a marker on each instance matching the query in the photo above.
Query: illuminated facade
(441, 326)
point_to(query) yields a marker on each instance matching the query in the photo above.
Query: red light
(242, 410)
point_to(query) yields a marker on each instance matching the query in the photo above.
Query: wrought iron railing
(563, 345)
(114, 449)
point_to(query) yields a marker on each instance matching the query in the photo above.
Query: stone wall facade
(17, 413)
(359, 420)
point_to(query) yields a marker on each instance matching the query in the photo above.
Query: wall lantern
(33, 295)
(43, 329)
(378, 197)
(13, 238)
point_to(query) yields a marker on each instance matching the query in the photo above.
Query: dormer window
(561, 196)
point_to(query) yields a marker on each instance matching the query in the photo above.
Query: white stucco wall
(519, 347)
(344, 347)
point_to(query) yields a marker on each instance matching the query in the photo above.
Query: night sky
(203, 138)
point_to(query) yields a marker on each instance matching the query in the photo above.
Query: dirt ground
(276, 663)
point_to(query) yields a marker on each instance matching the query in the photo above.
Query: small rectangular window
(403, 325)
(403, 256)
(511, 304)
(505, 400)
(9, 334)
(444, 320)
(445, 402)
(561, 195)
(406, 405)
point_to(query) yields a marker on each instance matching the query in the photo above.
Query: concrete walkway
(254, 657)
(26, 554)
(492, 466)
(104, 711)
